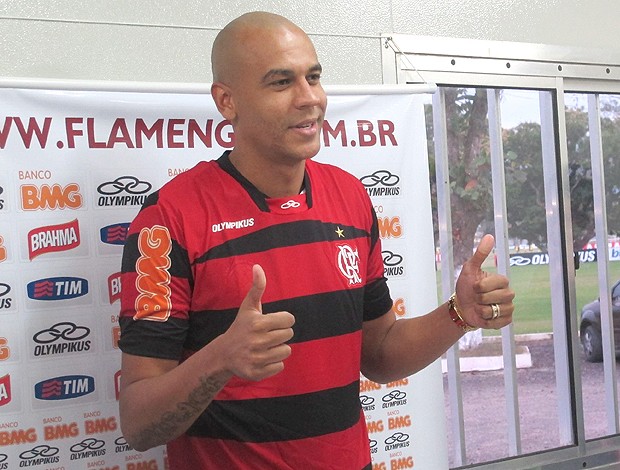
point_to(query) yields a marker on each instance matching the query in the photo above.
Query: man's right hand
(255, 343)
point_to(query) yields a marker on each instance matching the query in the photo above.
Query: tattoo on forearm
(198, 399)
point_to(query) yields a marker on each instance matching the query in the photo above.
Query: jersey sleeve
(156, 285)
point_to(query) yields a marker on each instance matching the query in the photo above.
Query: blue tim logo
(65, 387)
(114, 234)
(57, 288)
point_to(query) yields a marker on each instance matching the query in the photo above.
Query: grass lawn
(533, 295)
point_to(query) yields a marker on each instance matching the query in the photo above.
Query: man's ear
(223, 99)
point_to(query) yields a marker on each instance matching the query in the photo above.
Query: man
(242, 339)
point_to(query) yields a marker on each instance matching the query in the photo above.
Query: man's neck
(273, 180)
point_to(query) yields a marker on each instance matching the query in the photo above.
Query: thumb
(252, 300)
(482, 251)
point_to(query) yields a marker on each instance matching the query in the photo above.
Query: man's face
(279, 101)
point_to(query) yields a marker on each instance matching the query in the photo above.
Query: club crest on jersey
(348, 263)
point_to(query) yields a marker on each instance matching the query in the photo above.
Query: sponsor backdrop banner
(76, 167)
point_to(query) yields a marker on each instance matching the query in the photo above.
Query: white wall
(170, 40)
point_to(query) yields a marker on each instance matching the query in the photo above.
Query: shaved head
(235, 44)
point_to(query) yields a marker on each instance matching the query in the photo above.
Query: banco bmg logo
(57, 288)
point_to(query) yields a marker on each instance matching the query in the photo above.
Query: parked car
(590, 326)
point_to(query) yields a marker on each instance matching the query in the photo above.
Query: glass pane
(587, 279)
(472, 214)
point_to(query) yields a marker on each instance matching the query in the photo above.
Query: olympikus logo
(381, 183)
(61, 338)
(53, 238)
(114, 234)
(5, 300)
(134, 189)
(5, 390)
(50, 197)
(232, 225)
(153, 281)
(65, 387)
(57, 288)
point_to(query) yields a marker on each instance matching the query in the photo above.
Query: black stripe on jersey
(149, 338)
(280, 418)
(281, 235)
(179, 261)
(151, 200)
(315, 317)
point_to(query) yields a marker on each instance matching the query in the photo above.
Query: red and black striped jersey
(187, 265)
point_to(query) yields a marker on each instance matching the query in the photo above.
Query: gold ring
(496, 312)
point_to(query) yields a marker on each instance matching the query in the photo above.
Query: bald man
(253, 292)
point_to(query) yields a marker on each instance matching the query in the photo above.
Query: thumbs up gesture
(256, 342)
(485, 299)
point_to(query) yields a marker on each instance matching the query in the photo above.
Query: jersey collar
(288, 205)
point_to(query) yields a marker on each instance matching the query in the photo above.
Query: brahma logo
(57, 288)
(53, 238)
(50, 197)
(153, 281)
(114, 287)
(123, 191)
(65, 387)
(348, 264)
(5, 390)
(114, 234)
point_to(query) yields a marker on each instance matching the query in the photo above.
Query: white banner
(76, 167)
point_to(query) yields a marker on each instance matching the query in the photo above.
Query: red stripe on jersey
(348, 449)
(312, 366)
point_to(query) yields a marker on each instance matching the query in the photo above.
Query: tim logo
(348, 264)
(5, 351)
(114, 287)
(392, 264)
(123, 191)
(53, 238)
(153, 282)
(5, 300)
(50, 197)
(381, 183)
(114, 234)
(390, 227)
(5, 390)
(65, 387)
(57, 288)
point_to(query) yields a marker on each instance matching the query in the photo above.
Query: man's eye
(283, 82)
